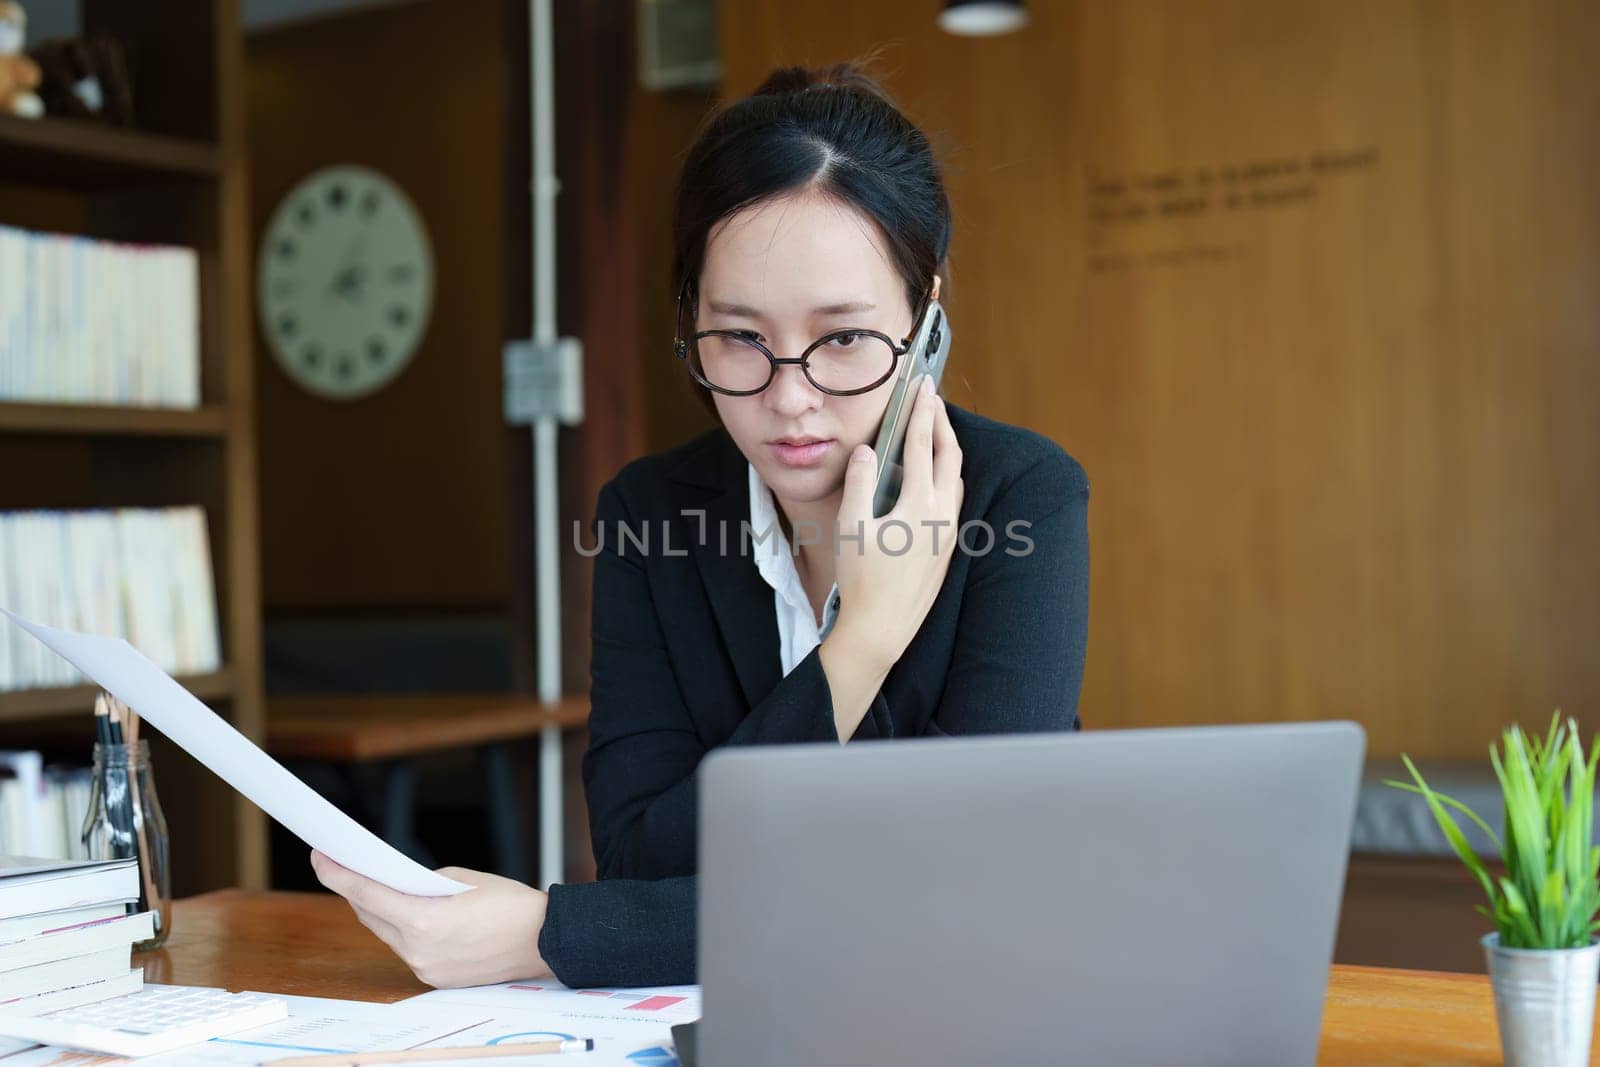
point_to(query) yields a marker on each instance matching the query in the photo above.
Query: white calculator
(155, 1019)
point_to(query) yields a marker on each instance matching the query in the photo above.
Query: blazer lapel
(740, 598)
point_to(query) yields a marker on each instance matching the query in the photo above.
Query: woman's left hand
(487, 935)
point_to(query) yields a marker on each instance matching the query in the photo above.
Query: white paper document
(315, 1025)
(613, 1047)
(318, 1026)
(121, 670)
(630, 1027)
(658, 1009)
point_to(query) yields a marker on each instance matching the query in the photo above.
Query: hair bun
(851, 77)
(785, 80)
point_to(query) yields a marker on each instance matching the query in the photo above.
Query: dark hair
(834, 129)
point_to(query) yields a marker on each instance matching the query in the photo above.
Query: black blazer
(685, 658)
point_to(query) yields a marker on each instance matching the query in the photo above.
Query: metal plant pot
(1544, 1002)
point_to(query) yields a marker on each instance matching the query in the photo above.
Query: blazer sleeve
(621, 933)
(639, 770)
(1021, 636)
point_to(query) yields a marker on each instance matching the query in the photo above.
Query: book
(29, 886)
(22, 798)
(120, 932)
(25, 926)
(130, 981)
(62, 974)
(89, 321)
(7, 640)
(138, 573)
(44, 819)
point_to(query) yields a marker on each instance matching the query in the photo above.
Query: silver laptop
(1138, 897)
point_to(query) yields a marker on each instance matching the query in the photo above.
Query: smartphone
(929, 351)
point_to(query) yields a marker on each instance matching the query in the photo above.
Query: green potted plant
(1544, 959)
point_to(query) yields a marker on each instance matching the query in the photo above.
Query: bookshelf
(178, 178)
(71, 700)
(81, 155)
(81, 420)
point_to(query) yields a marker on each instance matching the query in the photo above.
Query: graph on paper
(656, 1008)
(677, 1004)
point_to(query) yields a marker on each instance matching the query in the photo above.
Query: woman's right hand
(488, 935)
(884, 596)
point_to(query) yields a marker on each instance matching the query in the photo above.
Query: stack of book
(84, 321)
(139, 573)
(66, 937)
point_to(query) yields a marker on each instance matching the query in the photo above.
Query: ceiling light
(982, 18)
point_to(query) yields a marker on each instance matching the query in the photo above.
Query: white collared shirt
(798, 632)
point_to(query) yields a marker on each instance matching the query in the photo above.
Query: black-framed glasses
(844, 362)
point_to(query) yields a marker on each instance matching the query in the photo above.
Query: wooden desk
(312, 945)
(306, 944)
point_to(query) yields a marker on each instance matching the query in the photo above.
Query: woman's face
(789, 270)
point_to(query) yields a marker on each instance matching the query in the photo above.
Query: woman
(743, 591)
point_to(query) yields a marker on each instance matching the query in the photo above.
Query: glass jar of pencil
(125, 820)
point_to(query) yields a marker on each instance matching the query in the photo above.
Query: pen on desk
(428, 1055)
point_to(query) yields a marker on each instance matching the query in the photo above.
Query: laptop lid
(1152, 896)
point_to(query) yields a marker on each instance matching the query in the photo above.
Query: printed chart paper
(318, 1026)
(315, 1025)
(661, 1008)
(630, 1027)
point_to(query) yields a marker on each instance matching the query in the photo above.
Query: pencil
(114, 717)
(102, 722)
(150, 899)
(425, 1055)
(118, 812)
(132, 729)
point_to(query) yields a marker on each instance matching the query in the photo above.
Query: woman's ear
(936, 287)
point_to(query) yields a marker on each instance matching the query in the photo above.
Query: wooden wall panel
(1313, 291)
(398, 500)
(662, 126)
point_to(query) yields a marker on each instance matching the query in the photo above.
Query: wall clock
(344, 282)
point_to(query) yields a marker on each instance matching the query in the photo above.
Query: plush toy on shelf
(19, 75)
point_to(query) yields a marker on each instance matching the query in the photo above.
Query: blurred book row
(84, 321)
(66, 937)
(141, 574)
(42, 808)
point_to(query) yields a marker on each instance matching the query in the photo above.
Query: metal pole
(546, 187)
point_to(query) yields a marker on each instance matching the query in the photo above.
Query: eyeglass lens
(846, 362)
